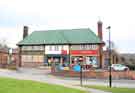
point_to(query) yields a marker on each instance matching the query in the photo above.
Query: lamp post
(110, 74)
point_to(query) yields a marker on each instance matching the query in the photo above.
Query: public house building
(67, 46)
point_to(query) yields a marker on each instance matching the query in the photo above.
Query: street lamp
(110, 74)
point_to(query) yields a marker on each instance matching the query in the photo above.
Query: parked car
(119, 67)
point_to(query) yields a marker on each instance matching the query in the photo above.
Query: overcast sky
(66, 14)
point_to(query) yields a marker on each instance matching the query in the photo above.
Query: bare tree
(3, 43)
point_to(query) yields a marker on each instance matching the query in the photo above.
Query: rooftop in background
(3, 50)
(67, 36)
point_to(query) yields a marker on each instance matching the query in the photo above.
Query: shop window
(91, 60)
(76, 59)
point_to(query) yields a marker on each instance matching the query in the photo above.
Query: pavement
(44, 76)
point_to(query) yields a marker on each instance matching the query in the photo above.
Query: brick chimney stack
(99, 27)
(25, 31)
(99, 24)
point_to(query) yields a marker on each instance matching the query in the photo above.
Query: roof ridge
(60, 29)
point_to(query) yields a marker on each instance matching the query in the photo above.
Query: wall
(3, 59)
(32, 56)
(99, 74)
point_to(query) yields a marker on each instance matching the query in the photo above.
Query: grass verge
(113, 89)
(8, 85)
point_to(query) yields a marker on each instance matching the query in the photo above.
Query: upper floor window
(27, 48)
(50, 48)
(88, 47)
(62, 47)
(83, 47)
(38, 48)
(56, 48)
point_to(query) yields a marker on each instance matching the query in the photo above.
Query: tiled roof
(67, 36)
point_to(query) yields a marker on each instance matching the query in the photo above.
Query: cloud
(59, 14)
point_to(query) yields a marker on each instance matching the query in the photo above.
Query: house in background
(3, 56)
(115, 58)
(61, 46)
(127, 59)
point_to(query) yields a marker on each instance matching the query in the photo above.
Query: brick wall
(99, 74)
(3, 59)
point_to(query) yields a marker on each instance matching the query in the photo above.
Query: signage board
(84, 52)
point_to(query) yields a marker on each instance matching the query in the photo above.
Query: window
(35, 58)
(50, 48)
(27, 48)
(23, 59)
(88, 47)
(93, 47)
(62, 47)
(27, 58)
(24, 47)
(56, 48)
(38, 58)
(38, 48)
(84, 47)
(32, 58)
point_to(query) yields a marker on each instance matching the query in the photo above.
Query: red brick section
(132, 75)
(3, 57)
(99, 74)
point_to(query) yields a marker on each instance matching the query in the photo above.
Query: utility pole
(81, 75)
